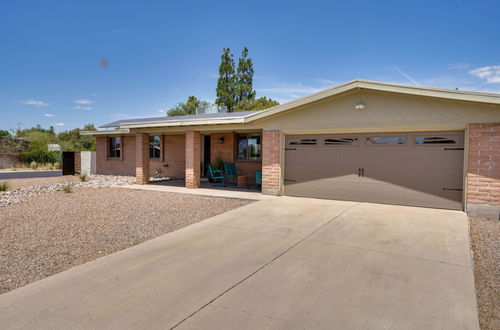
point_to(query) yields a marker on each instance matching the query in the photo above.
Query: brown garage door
(419, 169)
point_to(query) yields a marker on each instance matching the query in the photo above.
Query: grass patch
(67, 188)
(83, 177)
(4, 186)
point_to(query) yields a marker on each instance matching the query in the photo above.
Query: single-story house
(362, 141)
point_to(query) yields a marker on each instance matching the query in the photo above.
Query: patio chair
(258, 178)
(231, 172)
(217, 175)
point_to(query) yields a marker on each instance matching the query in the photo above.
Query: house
(363, 141)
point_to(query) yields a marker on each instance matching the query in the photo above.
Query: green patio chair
(231, 172)
(217, 175)
(258, 178)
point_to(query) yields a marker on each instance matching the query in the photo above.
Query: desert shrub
(4, 186)
(57, 165)
(33, 165)
(83, 177)
(67, 188)
(41, 157)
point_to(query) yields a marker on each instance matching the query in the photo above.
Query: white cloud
(60, 124)
(36, 103)
(457, 66)
(118, 30)
(49, 115)
(80, 107)
(288, 91)
(326, 81)
(406, 76)
(489, 73)
(83, 101)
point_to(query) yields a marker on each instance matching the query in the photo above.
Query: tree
(4, 133)
(256, 104)
(226, 82)
(187, 108)
(244, 78)
(72, 140)
(39, 137)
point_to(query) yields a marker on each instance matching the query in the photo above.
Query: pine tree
(226, 82)
(244, 78)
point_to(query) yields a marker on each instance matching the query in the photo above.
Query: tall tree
(244, 78)
(226, 82)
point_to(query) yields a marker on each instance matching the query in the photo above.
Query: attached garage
(417, 168)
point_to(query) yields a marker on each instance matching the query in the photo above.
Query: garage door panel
(402, 173)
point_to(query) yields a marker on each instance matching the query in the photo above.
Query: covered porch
(186, 159)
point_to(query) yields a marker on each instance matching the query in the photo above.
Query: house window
(435, 140)
(249, 146)
(114, 149)
(154, 147)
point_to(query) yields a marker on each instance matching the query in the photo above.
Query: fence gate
(68, 163)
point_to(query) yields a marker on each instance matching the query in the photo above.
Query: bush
(33, 165)
(67, 188)
(41, 157)
(4, 186)
(57, 165)
(83, 177)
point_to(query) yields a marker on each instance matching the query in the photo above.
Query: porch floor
(206, 188)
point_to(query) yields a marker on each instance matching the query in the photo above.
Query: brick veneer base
(192, 159)
(142, 158)
(483, 174)
(271, 162)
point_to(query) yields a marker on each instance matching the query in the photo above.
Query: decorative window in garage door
(386, 140)
(430, 139)
(303, 142)
(341, 141)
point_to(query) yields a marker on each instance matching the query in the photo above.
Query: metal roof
(220, 115)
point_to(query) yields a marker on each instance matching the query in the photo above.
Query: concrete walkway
(281, 263)
(216, 192)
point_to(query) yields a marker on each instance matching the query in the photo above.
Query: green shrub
(57, 165)
(83, 177)
(4, 186)
(33, 165)
(41, 157)
(67, 188)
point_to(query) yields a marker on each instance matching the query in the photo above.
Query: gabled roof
(249, 116)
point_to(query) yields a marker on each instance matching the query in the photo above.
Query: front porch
(186, 157)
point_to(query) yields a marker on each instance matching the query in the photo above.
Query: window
(303, 142)
(341, 141)
(154, 147)
(386, 140)
(249, 146)
(114, 149)
(435, 140)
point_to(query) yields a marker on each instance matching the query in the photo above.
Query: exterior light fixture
(221, 140)
(360, 106)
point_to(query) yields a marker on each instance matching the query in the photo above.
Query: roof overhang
(117, 131)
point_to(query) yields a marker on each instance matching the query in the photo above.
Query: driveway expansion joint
(265, 265)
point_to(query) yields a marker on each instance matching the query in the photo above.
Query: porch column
(271, 162)
(142, 158)
(193, 141)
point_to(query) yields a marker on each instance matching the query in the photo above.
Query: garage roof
(249, 116)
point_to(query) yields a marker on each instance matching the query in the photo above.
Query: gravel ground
(21, 183)
(39, 187)
(485, 240)
(55, 231)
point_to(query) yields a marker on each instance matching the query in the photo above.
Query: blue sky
(160, 52)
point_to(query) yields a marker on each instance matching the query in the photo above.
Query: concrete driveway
(281, 263)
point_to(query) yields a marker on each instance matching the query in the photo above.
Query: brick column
(193, 159)
(271, 162)
(141, 158)
(483, 172)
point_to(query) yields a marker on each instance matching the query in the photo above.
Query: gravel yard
(56, 231)
(485, 238)
(21, 183)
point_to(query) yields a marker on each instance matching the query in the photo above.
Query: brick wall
(173, 159)
(483, 174)
(123, 166)
(271, 162)
(142, 158)
(225, 150)
(193, 140)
